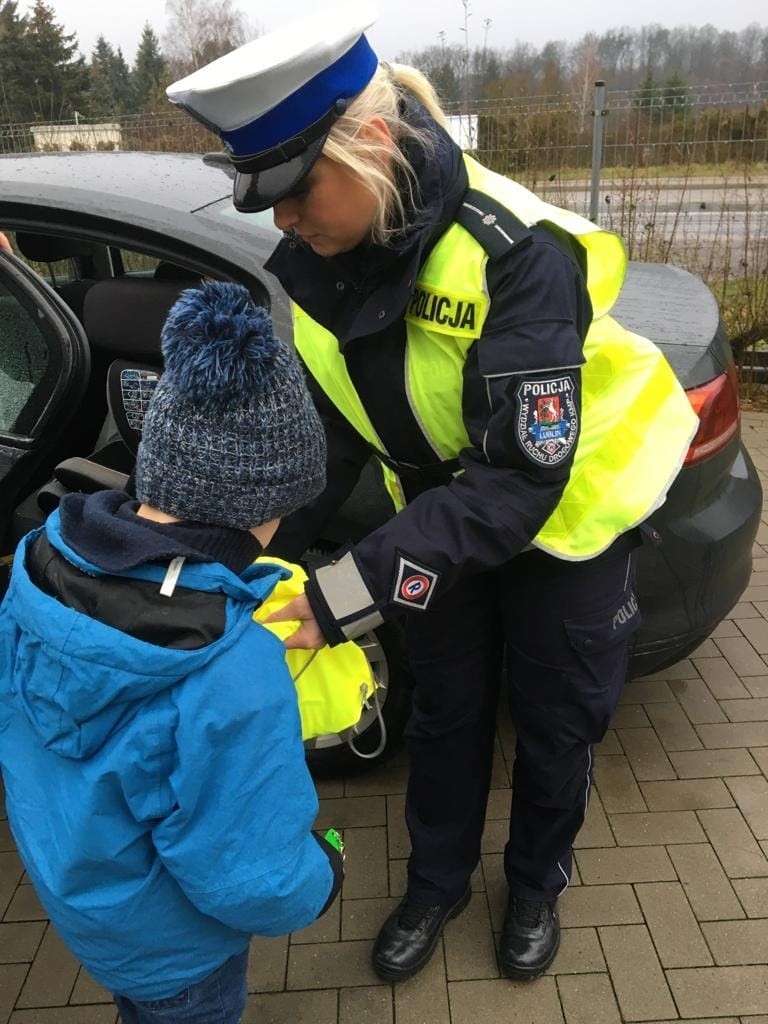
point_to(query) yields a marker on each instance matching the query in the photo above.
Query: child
(149, 732)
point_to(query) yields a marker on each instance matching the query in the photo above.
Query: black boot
(530, 937)
(409, 935)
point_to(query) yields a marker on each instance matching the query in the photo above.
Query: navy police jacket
(452, 525)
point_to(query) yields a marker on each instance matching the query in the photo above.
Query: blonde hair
(372, 157)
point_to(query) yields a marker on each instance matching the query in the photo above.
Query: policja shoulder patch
(547, 422)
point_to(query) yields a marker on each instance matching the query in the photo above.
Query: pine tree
(674, 94)
(149, 70)
(59, 75)
(15, 77)
(111, 89)
(647, 95)
(100, 100)
(122, 84)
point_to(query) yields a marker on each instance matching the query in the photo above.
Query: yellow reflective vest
(333, 684)
(636, 424)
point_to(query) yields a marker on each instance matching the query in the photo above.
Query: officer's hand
(308, 636)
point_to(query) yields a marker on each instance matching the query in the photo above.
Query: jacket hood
(78, 680)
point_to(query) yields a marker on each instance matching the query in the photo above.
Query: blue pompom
(218, 344)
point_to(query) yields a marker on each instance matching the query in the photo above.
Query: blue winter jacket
(159, 797)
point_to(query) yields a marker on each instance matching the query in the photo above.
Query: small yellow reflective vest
(334, 684)
(637, 422)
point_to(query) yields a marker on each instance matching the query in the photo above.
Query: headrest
(165, 271)
(50, 248)
(124, 317)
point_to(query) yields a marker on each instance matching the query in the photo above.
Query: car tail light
(716, 403)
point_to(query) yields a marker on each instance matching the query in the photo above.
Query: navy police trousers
(559, 633)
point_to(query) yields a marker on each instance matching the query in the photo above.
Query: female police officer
(457, 328)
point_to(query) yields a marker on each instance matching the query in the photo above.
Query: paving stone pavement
(666, 916)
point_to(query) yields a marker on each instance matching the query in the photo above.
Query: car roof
(172, 204)
(170, 193)
(31, 176)
(178, 196)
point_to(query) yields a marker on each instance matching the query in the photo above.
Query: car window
(138, 264)
(24, 360)
(261, 221)
(56, 273)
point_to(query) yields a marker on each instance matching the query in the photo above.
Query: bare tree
(199, 31)
(585, 66)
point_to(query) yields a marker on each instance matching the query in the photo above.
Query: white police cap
(274, 100)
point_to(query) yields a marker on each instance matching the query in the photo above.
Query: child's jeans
(217, 999)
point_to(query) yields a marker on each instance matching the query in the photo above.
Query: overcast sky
(414, 24)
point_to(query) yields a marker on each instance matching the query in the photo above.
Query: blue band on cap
(345, 78)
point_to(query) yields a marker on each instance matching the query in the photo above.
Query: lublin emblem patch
(547, 422)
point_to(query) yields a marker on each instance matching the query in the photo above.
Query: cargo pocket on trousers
(601, 640)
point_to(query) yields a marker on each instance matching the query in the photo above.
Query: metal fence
(168, 131)
(527, 136)
(673, 125)
(680, 172)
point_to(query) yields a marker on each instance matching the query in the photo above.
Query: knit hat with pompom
(231, 436)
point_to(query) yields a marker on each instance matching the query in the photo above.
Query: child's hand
(308, 636)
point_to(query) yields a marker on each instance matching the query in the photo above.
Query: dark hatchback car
(108, 240)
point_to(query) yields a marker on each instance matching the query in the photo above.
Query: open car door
(44, 367)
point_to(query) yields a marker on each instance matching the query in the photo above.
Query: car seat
(123, 319)
(166, 271)
(51, 249)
